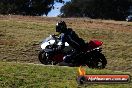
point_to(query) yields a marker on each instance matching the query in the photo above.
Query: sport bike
(92, 57)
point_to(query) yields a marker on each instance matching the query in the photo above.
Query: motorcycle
(92, 57)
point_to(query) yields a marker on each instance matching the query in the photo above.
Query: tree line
(27, 7)
(103, 9)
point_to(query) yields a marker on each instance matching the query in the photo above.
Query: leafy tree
(105, 9)
(27, 7)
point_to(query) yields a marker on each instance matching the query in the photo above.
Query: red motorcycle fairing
(94, 44)
(58, 57)
(91, 45)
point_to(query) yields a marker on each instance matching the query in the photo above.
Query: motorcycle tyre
(99, 57)
(42, 57)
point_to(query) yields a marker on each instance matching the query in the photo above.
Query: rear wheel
(97, 61)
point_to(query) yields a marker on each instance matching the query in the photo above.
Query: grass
(16, 75)
(17, 36)
(19, 43)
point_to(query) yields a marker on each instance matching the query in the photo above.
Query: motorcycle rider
(69, 36)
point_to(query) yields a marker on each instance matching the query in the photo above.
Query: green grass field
(19, 43)
(15, 75)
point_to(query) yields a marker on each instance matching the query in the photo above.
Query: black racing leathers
(74, 41)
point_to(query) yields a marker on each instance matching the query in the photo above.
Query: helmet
(61, 27)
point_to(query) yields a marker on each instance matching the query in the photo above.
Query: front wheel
(97, 61)
(49, 60)
(42, 57)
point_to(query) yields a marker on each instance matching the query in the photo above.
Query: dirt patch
(8, 42)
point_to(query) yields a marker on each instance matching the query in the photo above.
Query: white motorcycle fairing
(51, 41)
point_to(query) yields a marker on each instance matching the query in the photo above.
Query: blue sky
(56, 10)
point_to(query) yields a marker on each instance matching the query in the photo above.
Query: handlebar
(55, 37)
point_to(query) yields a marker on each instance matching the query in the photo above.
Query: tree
(104, 9)
(27, 7)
